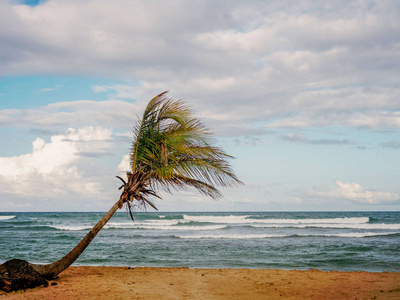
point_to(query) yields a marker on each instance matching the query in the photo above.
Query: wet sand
(183, 283)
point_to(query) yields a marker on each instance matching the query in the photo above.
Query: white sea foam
(248, 220)
(360, 220)
(206, 227)
(146, 223)
(231, 236)
(6, 217)
(264, 236)
(71, 227)
(216, 219)
(317, 225)
(163, 222)
(196, 228)
(121, 225)
(351, 234)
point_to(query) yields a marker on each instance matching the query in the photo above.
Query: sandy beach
(184, 283)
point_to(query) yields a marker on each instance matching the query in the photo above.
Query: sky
(304, 94)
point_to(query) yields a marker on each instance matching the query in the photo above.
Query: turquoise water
(343, 241)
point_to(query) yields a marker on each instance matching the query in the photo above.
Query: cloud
(354, 192)
(51, 169)
(348, 106)
(391, 144)
(328, 64)
(47, 89)
(359, 119)
(94, 154)
(229, 115)
(111, 113)
(298, 138)
(131, 34)
(125, 164)
(99, 89)
(248, 141)
(43, 132)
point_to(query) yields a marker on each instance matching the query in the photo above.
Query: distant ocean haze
(343, 241)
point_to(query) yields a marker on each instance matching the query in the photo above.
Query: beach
(87, 282)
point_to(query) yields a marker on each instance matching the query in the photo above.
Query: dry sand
(183, 283)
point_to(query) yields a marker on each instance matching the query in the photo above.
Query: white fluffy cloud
(125, 164)
(50, 170)
(356, 193)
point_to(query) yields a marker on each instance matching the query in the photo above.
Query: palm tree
(170, 149)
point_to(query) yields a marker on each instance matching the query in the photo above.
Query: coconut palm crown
(172, 149)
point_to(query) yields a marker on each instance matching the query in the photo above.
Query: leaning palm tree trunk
(50, 271)
(17, 274)
(132, 188)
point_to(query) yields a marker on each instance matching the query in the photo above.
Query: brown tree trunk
(51, 270)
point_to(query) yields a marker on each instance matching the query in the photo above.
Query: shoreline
(88, 282)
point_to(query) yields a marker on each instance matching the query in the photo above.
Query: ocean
(342, 241)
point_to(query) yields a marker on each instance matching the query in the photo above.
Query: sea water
(343, 241)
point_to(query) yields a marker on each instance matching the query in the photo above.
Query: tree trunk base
(17, 274)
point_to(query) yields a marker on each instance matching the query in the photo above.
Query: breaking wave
(342, 226)
(248, 220)
(71, 227)
(167, 227)
(6, 217)
(265, 236)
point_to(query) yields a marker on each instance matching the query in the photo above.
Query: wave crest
(6, 217)
(248, 220)
(265, 236)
